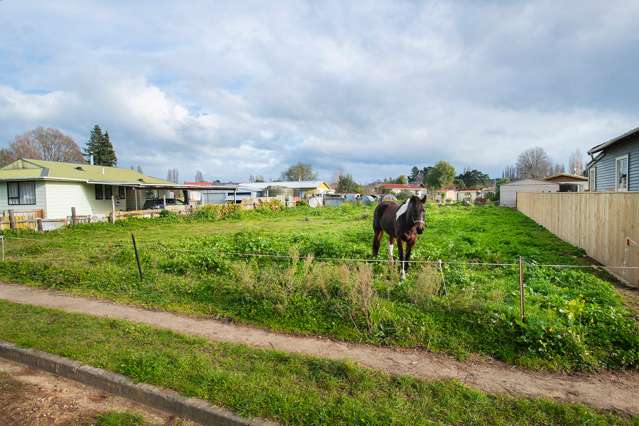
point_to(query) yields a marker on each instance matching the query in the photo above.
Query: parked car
(158, 203)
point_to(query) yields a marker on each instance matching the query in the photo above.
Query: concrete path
(605, 390)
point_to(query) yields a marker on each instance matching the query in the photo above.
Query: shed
(508, 192)
(569, 182)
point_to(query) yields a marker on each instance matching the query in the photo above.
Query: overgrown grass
(203, 265)
(290, 389)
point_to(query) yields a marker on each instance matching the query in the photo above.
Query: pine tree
(99, 147)
(93, 145)
(108, 157)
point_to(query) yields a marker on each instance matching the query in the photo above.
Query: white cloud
(373, 88)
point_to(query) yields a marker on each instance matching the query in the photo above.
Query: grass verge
(290, 389)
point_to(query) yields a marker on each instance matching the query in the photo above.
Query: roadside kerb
(162, 399)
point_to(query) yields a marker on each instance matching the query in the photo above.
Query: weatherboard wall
(40, 199)
(605, 167)
(61, 196)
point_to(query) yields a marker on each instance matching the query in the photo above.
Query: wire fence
(290, 257)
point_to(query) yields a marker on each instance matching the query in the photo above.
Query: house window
(621, 173)
(21, 193)
(592, 179)
(103, 192)
(99, 192)
(121, 193)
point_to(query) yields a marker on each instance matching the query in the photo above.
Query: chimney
(91, 159)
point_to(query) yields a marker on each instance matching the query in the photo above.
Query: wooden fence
(604, 224)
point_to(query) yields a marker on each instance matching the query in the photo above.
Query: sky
(370, 88)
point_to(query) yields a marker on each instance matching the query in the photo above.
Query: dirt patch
(33, 397)
(607, 390)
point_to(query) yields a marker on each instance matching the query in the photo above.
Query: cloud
(372, 88)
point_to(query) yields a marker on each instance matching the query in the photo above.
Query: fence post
(441, 271)
(2, 240)
(522, 313)
(74, 217)
(39, 225)
(12, 219)
(137, 256)
(112, 208)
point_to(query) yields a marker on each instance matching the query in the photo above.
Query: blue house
(615, 164)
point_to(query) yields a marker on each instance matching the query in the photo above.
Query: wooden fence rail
(604, 224)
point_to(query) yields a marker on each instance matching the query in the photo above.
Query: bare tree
(199, 177)
(533, 163)
(46, 144)
(510, 173)
(576, 163)
(173, 176)
(6, 156)
(557, 168)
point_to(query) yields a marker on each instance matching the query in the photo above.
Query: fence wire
(289, 257)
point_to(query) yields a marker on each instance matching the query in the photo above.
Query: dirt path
(33, 397)
(606, 390)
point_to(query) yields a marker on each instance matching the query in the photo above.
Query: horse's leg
(377, 239)
(400, 249)
(391, 240)
(409, 248)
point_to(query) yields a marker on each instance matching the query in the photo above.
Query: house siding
(605, 166)
(61, 196)
(40, 199)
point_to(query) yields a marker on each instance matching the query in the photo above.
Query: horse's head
(415, 213)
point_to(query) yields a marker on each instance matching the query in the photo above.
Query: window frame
(622, 157)
(19, 197)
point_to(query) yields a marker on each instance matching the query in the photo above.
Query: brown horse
(401, 223)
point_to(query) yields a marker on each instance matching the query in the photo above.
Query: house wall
(605, 174)
(61, 196)
(508, 192)
(40, 199)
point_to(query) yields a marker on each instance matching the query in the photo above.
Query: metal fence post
(522, 313)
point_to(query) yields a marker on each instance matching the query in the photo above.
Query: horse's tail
(377, 216)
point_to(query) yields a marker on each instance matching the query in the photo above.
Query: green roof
(53, 170)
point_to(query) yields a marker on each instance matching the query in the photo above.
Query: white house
(55, 187)
(508, 192)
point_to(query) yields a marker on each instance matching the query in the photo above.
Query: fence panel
(604, 224)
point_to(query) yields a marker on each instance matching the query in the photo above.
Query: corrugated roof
(303, 184)
(566, 175)
(613, 141)
(54, 170)
(401, 186)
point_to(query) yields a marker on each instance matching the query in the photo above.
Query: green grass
(575, 319)
(118, 418)
(290, 389)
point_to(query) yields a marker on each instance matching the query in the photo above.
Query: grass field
(290, 389)
(575, 319)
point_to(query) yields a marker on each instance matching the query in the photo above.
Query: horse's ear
(424, 199)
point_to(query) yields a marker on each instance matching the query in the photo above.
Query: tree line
(52, 145)
(535, 163)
